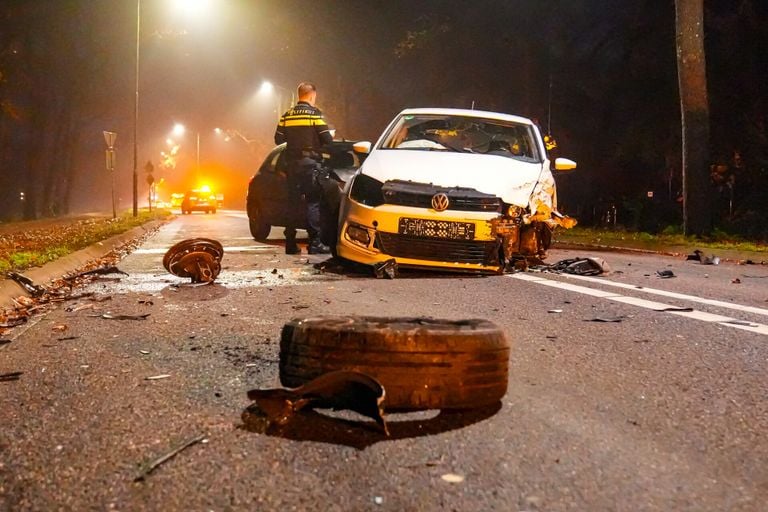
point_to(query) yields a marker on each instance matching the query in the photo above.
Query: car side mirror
(564, 164)
(363, 147)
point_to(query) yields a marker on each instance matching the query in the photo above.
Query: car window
(343, 160)
(430, 132)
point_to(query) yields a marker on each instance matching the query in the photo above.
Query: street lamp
(179, 130)
(267, 88)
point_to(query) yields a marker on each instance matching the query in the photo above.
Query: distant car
(269, 203)
(198, 201)
(452, 189)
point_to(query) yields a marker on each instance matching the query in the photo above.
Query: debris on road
(196, 258)
(148, 468)
(699, 256)
(28, 285)
(555, 311)
(452, 478)
(333, 390)
(674, 308)
(665, 274)
(100, 271)
(110, 316)
(590, 266)
(607, 319)
(7, 377)
(4, 342)
(735, 280)
(386, 269)
(158, 377)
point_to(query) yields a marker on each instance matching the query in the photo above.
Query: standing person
(304, 130)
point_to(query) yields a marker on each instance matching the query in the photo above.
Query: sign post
(109, 138)
(150, 181)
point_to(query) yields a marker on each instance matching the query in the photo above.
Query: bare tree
(692, 79)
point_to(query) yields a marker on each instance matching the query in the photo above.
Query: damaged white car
(455, 189)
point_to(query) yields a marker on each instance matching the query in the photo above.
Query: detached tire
(422, 363)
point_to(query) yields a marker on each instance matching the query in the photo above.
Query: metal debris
(386, 269)
(333, 390)
(8, 377)
(674, 308)
(4, 342)
(196, 258)
(665, 274)
(28, 285)
(152, 465)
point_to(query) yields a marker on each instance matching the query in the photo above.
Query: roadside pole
(150, 181)
(110, 137)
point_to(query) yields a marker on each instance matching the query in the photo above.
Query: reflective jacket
(304, 129)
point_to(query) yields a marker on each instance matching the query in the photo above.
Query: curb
(9, 289)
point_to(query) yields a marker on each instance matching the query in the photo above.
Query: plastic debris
(452, 478)
(28, 285)
(590, 266)
(110, 316)
(333, 390)
(386, 269)
(607, 319)
(699, 256)
(158, 377)
(665, 274)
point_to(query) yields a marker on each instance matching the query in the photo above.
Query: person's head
(306, 91)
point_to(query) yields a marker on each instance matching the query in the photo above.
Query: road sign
(110, 137)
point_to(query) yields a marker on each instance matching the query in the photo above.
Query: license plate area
(431, 228)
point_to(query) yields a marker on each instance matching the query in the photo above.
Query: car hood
(520, 183)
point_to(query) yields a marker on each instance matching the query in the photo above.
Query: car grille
(420, 196)
(437, 249)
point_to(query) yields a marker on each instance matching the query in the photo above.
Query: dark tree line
(601, 75)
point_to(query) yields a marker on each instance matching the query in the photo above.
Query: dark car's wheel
(259, 229)
(422, 363)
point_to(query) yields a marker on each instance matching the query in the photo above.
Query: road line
(673, 295)
(647, 304)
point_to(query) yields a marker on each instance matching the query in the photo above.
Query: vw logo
(440, 202)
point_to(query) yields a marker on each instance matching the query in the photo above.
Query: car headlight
(367, 191)
(513, 211)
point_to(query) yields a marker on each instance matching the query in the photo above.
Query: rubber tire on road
(259, 230)
(422, 363)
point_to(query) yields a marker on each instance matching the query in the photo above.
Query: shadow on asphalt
(347, 268)
(322, 428)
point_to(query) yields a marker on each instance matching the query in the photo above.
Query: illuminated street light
(267, 88)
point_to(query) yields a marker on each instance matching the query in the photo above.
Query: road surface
(652, 410)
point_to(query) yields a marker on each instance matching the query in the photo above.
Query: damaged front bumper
(482, 242)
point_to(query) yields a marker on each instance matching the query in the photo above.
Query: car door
(278, 207)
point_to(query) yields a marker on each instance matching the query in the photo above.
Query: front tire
(259, 229)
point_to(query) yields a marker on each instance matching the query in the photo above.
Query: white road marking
(673, 295)
(643, 303)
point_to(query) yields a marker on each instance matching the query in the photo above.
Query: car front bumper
(452, 240)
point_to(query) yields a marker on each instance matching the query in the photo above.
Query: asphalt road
(655, 410)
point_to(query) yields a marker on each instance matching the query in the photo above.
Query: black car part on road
(423, 363)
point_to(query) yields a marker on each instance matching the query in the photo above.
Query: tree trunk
(692, 79)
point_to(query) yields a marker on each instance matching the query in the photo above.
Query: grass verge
(25, 248)
(664, 241)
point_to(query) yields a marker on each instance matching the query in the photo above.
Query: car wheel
(259, 230)
(422, 363)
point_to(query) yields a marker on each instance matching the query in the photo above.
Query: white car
(456, 189)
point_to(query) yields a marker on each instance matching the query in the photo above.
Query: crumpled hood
(511, 180)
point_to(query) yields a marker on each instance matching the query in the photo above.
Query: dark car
(269, 203)
(199, 201)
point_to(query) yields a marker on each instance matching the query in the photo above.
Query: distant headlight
(367, 191)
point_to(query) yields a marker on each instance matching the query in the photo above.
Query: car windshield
(430, 132)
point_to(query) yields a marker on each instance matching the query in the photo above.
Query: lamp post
(179, 130)
(136, 115)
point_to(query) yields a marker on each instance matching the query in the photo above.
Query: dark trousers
(301, 183)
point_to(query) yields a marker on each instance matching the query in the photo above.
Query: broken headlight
(367, 191)
(513, 211)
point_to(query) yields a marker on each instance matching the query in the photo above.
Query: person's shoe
(318, 247)
(292, 249)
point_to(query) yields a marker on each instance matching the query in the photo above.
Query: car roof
(467, 113)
